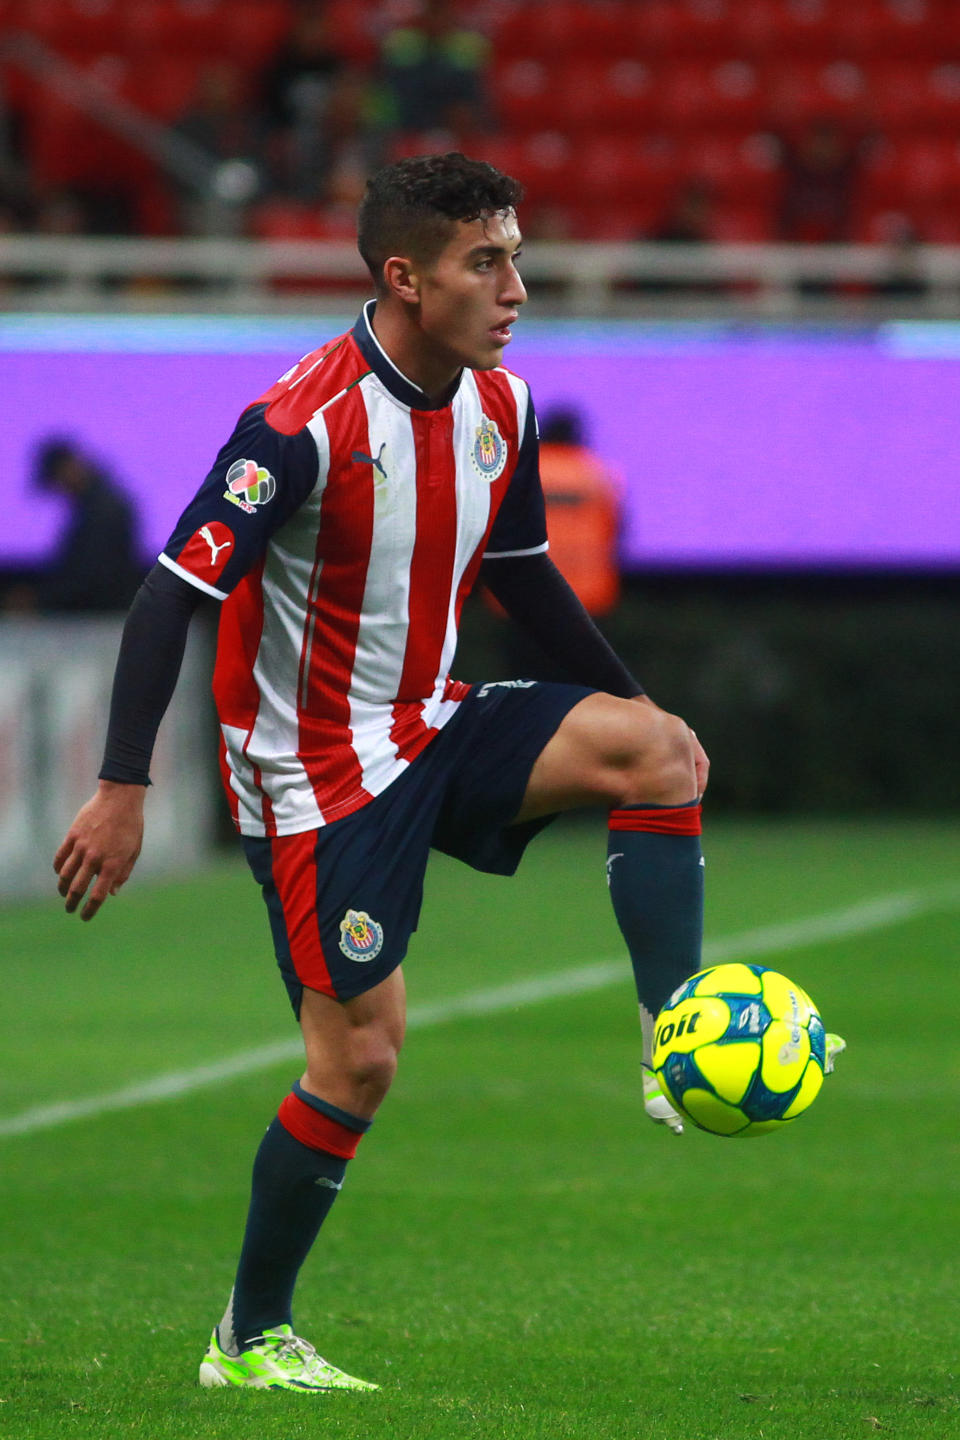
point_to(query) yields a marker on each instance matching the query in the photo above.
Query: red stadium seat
(547, 166)
(80, 28)
(164, 85)
(930, 224)
(800, 29)
(525, 96)
(682, 28)
(563, 28)
(353, 30)
(282, 219)
(626, 171)
(633, 221)
(905, 95)
(799, 93)
(897, 29)
(905, 170)
(253, 30)
(696, 93)
(612, 94)
(739, 168)
(744, 224)
(942, 84)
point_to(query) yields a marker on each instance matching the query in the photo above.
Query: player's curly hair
(411, 207)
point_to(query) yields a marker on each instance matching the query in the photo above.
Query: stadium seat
(908, 169)
(905, 95)
(353, 29)
(800, 29)
(740, 168)
(897, 29)
(563, 29)
(547, 166)
(682, 28)
(253, 30)
(78, 28)
(614, 94)
(164, 84)
(524, 95)
(618, 170)
(633, 221)
(696, 93)
(751, 224)
(281, 219)
(799, 93)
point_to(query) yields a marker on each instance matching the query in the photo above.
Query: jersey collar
(386, 372)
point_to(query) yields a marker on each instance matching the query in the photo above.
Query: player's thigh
(609, 751)
(352, 1045)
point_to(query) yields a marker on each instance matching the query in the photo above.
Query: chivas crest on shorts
(360, 937)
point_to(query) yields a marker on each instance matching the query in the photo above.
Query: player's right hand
(101, 846)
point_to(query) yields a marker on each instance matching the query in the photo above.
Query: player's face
(471, 294)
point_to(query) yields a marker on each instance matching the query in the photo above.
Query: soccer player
(342, 525)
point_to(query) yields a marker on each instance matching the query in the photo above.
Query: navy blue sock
(655, 873)
(296, 1178)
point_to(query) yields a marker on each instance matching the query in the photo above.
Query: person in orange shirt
(583, 511)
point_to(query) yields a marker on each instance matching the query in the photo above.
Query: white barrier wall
(55, 681)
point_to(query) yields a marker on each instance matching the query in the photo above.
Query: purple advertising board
(737, 447)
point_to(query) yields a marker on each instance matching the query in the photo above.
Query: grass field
(518, 1252)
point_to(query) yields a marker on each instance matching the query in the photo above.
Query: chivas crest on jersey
(489, 451)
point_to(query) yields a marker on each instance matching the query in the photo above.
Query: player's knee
(661, 767)
(371, 1062)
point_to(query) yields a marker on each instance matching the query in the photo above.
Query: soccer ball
(739, 1049)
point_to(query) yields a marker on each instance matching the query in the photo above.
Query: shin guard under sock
(655, 873)
(297, 1175)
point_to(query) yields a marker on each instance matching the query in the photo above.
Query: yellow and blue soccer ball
(739, 1049)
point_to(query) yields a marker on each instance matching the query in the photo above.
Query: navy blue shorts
(344, 900)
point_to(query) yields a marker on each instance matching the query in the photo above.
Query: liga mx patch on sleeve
(208, 551)
(249, 485)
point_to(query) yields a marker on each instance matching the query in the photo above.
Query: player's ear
(401, 279)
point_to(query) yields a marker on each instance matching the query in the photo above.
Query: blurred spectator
(337, 216)
(296, 90)
(15, 184)
(690, 219)
(434, 70)
(905, 278)
(60, 212)
(97, 565)
(346, 138)
(220, 122)
(583, 504)
(820, 173)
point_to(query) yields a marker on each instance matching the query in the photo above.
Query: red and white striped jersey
(343, 525)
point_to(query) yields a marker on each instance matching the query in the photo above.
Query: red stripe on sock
(678, 820)
(316, 1130)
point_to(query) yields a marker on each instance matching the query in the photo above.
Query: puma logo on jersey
(377, 464)
(206, 534)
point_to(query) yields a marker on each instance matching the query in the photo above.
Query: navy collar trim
(386, 372)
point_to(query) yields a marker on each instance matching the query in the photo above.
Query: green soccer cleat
(657, 1106)
(279, 1360)
(835, 1045)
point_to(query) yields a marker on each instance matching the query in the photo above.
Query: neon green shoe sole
(835, 1046)
(280, 1360)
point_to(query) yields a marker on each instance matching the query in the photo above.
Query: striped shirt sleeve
(257, 481)
(521, 524)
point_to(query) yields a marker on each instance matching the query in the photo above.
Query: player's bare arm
(101, 847)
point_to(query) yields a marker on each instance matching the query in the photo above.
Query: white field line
(876, 914)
